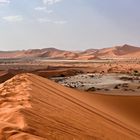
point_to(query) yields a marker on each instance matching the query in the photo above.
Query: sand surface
(34, 108)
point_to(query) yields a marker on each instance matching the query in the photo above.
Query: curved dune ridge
(34, 108)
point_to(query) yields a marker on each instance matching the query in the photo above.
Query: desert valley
(52, 94)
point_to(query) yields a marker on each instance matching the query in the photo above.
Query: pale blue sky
(68, 24)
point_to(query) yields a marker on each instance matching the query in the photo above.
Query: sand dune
(124, 51)
(34, 108)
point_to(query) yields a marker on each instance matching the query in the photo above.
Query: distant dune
(34, 108)
(125, 51)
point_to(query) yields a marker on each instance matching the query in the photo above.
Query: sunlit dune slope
(124, 51)
(34, 108)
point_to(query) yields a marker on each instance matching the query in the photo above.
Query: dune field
(52, 99)
(69, 70)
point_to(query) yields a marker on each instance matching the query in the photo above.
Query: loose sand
(34, 108)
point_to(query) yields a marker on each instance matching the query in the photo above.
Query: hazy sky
(68, 24)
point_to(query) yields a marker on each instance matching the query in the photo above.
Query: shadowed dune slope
(34, 108)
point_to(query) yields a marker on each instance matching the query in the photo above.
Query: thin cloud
(4, 2)
(44, 9)
(16, 18)
(40, 8)
(51, 2)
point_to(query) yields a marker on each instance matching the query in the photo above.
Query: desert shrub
(91, 89)
(136, 73)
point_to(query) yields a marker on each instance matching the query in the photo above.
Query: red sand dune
(46, 52)
(125, 51)
(34, 108)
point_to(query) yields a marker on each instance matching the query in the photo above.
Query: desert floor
(33, 107)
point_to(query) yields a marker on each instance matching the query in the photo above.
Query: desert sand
(125, 52)
(34, 108)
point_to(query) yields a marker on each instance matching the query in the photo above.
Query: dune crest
(34, 108)
(124, 51)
